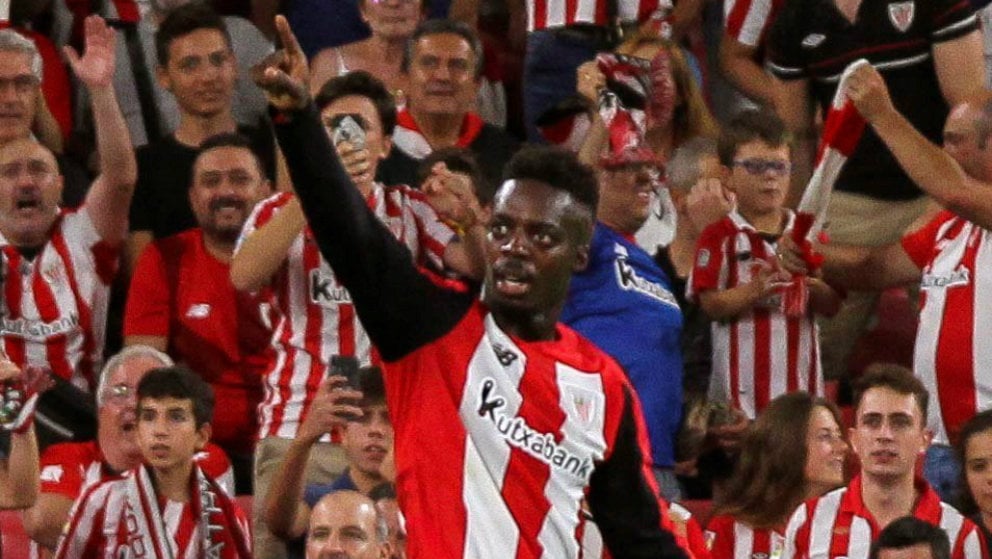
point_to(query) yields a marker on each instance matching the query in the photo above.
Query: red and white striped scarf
(220, 533)
(841, 132)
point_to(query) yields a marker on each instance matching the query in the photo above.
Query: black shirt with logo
(812, 40)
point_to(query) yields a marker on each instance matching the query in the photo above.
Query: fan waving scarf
(841, 133)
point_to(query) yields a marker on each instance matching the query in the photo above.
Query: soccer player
(166, 507)
(738, 283)
(888, 436)
(316, 315)
(504, 418)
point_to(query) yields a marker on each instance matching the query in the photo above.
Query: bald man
(949, 256)
(346, 525)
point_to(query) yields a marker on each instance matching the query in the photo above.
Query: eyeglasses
(118, 393)
(758, 166)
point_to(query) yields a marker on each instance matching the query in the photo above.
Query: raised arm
(400, 308)
(261, 252)
(930, 166)
(110, 196)
(19, 479)
(286, 513)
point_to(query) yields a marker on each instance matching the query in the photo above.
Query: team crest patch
(901, 14)
(585, 403)
(813, 40)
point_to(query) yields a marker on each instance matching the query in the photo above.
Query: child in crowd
(167, 507)
(759, 351)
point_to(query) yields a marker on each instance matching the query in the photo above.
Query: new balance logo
(505, 356)
(813, 40)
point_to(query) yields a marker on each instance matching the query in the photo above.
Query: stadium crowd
(495, 278)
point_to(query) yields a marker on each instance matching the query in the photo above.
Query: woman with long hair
(774, 474)
(974, 451)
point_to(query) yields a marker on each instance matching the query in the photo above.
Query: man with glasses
(24, 112)
(68, 469)
(759, 350)
(197, 66)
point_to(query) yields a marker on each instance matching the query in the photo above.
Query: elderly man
(58, 264)
(22, 104)
(443, 63)
(68, 469)
(347, 525)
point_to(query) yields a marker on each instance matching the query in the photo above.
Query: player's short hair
(558, 168)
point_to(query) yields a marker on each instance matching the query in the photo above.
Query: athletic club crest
(901, 14)
(586, 404)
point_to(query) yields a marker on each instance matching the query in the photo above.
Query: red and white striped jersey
(54, 310)
(548, 14)
(69, 469)
(762, 354)
(729, 538)
(315, 316)
(510, 441)
(955, 257)
(747, 21)
(839, 525)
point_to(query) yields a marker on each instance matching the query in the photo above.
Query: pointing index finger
(286, 36)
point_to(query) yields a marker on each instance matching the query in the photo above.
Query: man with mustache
(181, 298)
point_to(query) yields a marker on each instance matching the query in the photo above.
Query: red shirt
(180, 291)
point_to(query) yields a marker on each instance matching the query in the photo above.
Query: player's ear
(203, 434)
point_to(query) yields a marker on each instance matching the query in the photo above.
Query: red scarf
(221, 534)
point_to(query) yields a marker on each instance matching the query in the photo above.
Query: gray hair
(122, 358)
(682, 170)
(12, 41)
(381, 527)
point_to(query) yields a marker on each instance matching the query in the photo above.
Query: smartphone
(346, 367)
(348, 128)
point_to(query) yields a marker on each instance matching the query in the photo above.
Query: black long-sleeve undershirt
(400, 308)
